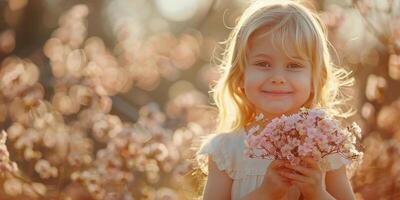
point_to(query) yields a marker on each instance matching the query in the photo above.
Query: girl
(276, 62)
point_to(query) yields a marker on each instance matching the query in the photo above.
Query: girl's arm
(218, 184)
(338, 184)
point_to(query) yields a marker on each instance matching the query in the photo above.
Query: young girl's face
(274, 82)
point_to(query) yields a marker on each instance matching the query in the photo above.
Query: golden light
(178, 10)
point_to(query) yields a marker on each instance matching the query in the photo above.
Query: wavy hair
(291, 25)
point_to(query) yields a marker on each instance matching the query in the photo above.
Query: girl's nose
(277, 81)
(277, 75)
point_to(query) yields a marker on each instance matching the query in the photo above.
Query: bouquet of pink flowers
(308, 133)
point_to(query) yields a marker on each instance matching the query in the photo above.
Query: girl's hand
(274, 185)
(308, 178)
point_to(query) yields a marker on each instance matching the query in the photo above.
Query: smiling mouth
(277, 93)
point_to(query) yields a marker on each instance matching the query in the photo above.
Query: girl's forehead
(262, 43)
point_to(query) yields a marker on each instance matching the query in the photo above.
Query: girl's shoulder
(222, 149)
(222, 140)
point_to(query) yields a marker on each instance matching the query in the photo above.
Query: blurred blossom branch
(72, 137)
(6, 166)
(10, 169)
(364, 8)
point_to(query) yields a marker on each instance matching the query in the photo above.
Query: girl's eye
(264, 64)
(294, 66)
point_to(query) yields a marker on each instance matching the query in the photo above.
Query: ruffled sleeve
(335, 161)
(215, 147)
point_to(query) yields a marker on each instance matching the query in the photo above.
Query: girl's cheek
(301, 77)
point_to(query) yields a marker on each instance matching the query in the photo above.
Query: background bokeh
(107, 99)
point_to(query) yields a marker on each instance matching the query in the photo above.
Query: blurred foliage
(106, 99)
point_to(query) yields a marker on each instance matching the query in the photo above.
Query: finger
(296, 177)
(301, 169)
(273, 164)
(276, 164)
(285, 179)
(299, 184)
(311, 162)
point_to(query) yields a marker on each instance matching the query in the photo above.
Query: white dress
(227, 151)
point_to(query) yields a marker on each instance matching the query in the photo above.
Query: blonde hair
(288, 19)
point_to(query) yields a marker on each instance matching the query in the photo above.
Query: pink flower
(321, 139)
(289, 157)
(312, 132)
(293, 142)
(306, 133)
(304, 150)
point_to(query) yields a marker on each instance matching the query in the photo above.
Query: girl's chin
(277, 112)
